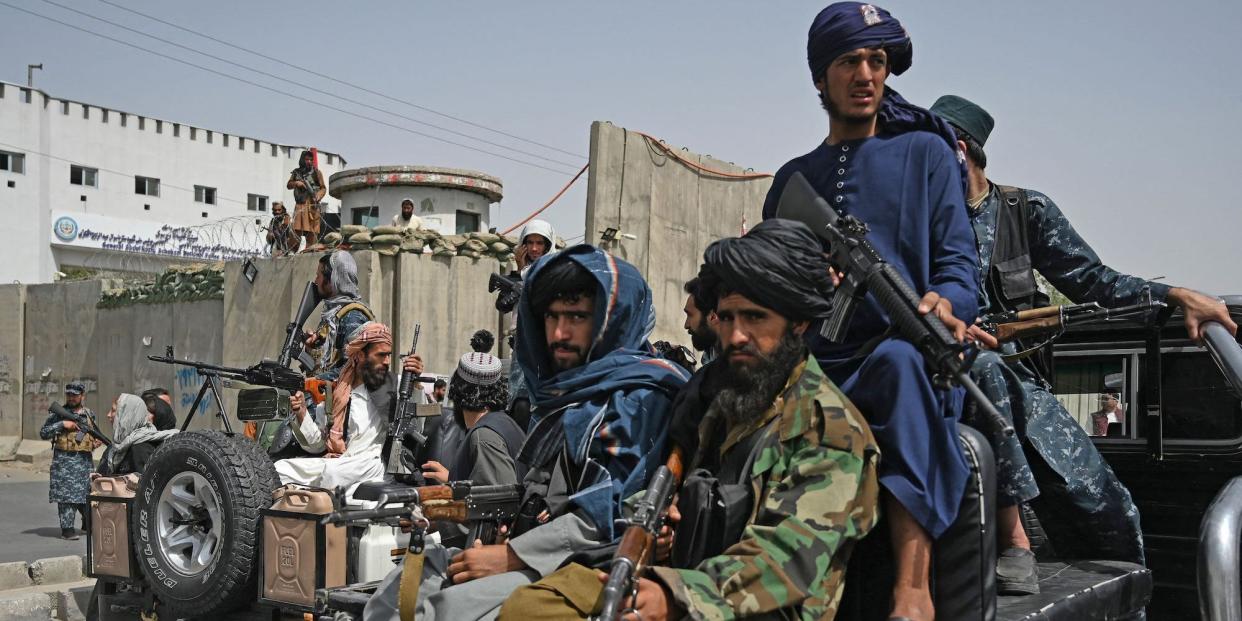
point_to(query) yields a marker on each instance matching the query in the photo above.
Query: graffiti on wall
(188, 384)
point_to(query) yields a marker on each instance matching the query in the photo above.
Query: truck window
(1095, 390)
(1197, 405)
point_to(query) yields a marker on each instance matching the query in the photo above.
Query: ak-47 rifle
(1052, 320)
(637, 546)
(407, 424)
(86, 427)
(484, 507)
(864, 271)
(510, 291)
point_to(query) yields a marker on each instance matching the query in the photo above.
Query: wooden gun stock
(1006, 332)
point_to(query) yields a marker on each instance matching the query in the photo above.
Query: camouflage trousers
(1051, 462)
(65, 512)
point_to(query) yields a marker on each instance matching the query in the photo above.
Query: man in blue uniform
(892, 165)
(72, 460)
(1019, 231)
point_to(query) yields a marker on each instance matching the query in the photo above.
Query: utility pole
(30, 74)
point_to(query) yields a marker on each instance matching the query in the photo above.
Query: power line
(277, 91)
(303, 86)
(342, 82)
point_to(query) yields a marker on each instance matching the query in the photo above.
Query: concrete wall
(673, 211)
(12, 348)
(62, 344)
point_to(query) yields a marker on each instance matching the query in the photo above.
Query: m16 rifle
(295, 339)
(510, 291)
(485, 508)
(864, 271)
(86, 427)
(407, 424)
(1052, 320)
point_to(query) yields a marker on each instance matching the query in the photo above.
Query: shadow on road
(50, 531)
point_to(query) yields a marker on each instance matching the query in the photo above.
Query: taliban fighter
(780, 432)
(600, 408)
(893, 165)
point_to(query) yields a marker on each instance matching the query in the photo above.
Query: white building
(87, 186)
(449, 200)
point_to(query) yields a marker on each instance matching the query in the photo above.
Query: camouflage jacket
(1060, 254)
(816, 492)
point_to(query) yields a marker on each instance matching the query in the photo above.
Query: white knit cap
(479, 368)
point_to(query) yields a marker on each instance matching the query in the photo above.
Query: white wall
(53, 140)
(444, 204)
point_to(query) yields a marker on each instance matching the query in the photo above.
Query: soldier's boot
(1015, 572)
(69, 533)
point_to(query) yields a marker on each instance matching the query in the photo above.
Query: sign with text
(210, 242)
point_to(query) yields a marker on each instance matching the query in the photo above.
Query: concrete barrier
(14, 575)
(56, 570)
(12, 358)
(26, 607)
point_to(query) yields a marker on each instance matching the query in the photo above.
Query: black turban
(846, 26)
(777, 265)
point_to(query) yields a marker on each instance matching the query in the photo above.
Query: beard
(565, 365)
(702, 337)
(849, 119)
(750, 389)
(374, 376)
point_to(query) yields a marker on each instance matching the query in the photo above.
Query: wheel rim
(189, 523)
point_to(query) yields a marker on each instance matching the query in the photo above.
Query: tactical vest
(337, 354)
(68, 440)
(1010, 281)
(508, 431)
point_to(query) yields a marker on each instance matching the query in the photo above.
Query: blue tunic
(908, 189)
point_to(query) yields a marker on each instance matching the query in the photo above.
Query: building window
(241, 143)
(209, 136)
(331, 159)
(176, 130)
(147, 186)
(467, 222)
(256, 145)
(1, 91)
(81, 175)
(193, 133)
(64, 108)
(366, 216)
(204, 194)
(159, 127)
(256, 202)
(105, 114)
(12, 162)
(86, 111)
(25, 95)
(142, 123)
(226, 139)
(124, 119)
(274, 149)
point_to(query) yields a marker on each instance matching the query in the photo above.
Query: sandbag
(386, 229)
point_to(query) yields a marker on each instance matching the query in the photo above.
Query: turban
(846, 26)
(351, 374)
(778, 265)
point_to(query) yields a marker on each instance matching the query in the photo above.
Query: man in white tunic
(353, 439)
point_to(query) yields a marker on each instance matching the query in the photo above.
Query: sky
(1126, 113)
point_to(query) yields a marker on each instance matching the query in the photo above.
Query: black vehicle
(1177, 447)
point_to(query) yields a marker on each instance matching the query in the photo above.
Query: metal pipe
(30, 74)
(1219, 574)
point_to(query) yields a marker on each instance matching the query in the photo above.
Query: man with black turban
(893, 166)
(308, 187)
(791, 457)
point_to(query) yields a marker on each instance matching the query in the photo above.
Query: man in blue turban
(893, 165)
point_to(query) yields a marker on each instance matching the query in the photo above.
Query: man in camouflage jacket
(72, 461)
(812, 468)
(1017, 232)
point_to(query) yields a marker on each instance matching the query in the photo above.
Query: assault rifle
(864, 271)
(309, 187)
(295, 339)
(637, 546)
(85, 426)
(510, 291)
(407, 423)
(1052, 320)
(484, 507)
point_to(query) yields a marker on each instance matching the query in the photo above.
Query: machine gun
(295, 339)
(484, 507)
(510, 291)
(85, 426)
(1052, 320)
(864, 271)
(407, 424)
(637, 546)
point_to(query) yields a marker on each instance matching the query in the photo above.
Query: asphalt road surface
(28, 526)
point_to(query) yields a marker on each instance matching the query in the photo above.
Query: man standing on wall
(308, 187)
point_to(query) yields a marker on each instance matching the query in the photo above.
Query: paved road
(28, 527)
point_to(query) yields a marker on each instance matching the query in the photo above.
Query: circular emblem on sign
(65, 228)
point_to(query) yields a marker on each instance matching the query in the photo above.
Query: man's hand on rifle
(297, 403)
(69, 425)
(978, 335)
(313, 340)
(1199, 308)
(481, 561)
(664, 541)
(436, 471)
(943, 309)
(653, 601)
(413, 364)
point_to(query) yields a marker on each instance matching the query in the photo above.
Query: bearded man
(353, 437)
(893, 165)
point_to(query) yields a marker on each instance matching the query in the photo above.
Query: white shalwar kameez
(362, 460)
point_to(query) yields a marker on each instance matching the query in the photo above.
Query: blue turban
(846, 26)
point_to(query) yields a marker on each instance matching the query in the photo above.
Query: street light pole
(30, 74)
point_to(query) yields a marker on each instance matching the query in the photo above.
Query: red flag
(314, 157)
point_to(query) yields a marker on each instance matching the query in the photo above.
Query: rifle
(485, 507)
(637, 546)
(295, 339)
(85, 426)
(863, 270)
(1052, 320)
(308, 182)
(510, 291)
(403, 425)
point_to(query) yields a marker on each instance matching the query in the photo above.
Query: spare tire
(196, 521)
